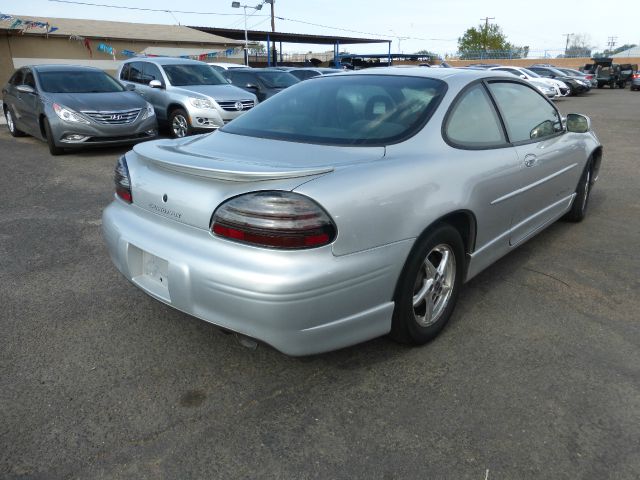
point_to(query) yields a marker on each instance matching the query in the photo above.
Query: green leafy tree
(426, 53)
(485, 40)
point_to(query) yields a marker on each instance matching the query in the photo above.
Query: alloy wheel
(434, 285)
(10, 125)
(179, 126)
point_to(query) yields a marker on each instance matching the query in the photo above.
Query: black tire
(600, 85)
(411, 323)
(622, 84)
(179, 125)
(53, 149)
(11, 124)
(581, 201)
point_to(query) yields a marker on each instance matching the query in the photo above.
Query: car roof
(166, 60)
(63, 68)
(440, 73)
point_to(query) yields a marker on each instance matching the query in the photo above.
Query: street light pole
(246, 34)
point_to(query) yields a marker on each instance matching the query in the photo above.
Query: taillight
(275, 219)
(122, 180)
(636, 75)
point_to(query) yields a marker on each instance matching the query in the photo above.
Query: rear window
(78, 81)
(345, 110)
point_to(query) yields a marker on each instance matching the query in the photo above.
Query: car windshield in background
(181, 75)
(70, 81)
(531, 73)
(277, 79)
(570, 71)
(345, 110)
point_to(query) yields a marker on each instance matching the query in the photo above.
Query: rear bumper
(300, 302)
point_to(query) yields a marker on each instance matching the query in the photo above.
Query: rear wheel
(580, 202)
(53, 149)
(179, 125)
(428, 288)
(11, 124)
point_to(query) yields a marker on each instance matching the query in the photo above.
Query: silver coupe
(349, 206)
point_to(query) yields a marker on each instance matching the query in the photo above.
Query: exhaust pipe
(246, 342)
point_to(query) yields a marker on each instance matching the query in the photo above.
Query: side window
(150, 72)
(241, 79)
(526, 114)
(473, 122)
(135, 72)
(124, 73)
(16, 78)
(28, 79)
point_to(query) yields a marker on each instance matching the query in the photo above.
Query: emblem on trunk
(165, 211)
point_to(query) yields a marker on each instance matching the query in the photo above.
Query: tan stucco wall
(17, 50)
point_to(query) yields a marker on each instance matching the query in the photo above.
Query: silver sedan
(349, 206)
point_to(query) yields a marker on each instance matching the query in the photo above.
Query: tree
(426, 53)
(579, 46)
(485, 41)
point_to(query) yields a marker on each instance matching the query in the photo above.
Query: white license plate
(155, 269)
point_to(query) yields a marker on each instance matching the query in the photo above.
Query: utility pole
(611, 42)
(273, 30)
(486, 31)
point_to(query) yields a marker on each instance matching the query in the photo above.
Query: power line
(165, 10)
(162, 10)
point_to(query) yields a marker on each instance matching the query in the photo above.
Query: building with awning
(28, 40)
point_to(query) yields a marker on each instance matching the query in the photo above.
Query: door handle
(530, 160)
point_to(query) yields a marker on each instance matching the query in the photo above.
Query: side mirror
(129, 87)
(156, 84)
(577, 123)
(25, 89)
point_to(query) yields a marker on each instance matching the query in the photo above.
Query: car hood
(232, 157)
(224, 92)
(98, 101)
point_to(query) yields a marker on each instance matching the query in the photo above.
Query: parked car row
(70, 106)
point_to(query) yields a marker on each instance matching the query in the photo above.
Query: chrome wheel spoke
(434, 285)
(419, 297)
(442, 267)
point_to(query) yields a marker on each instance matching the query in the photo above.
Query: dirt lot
(537, 376)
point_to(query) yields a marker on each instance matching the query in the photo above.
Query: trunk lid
(186, 180)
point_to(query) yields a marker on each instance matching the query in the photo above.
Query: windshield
(181, 75)
(344, 110)
(78, 81)
(531, 73)
(571, 72)
(277, 79)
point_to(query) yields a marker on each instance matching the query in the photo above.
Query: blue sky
(412, 25)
